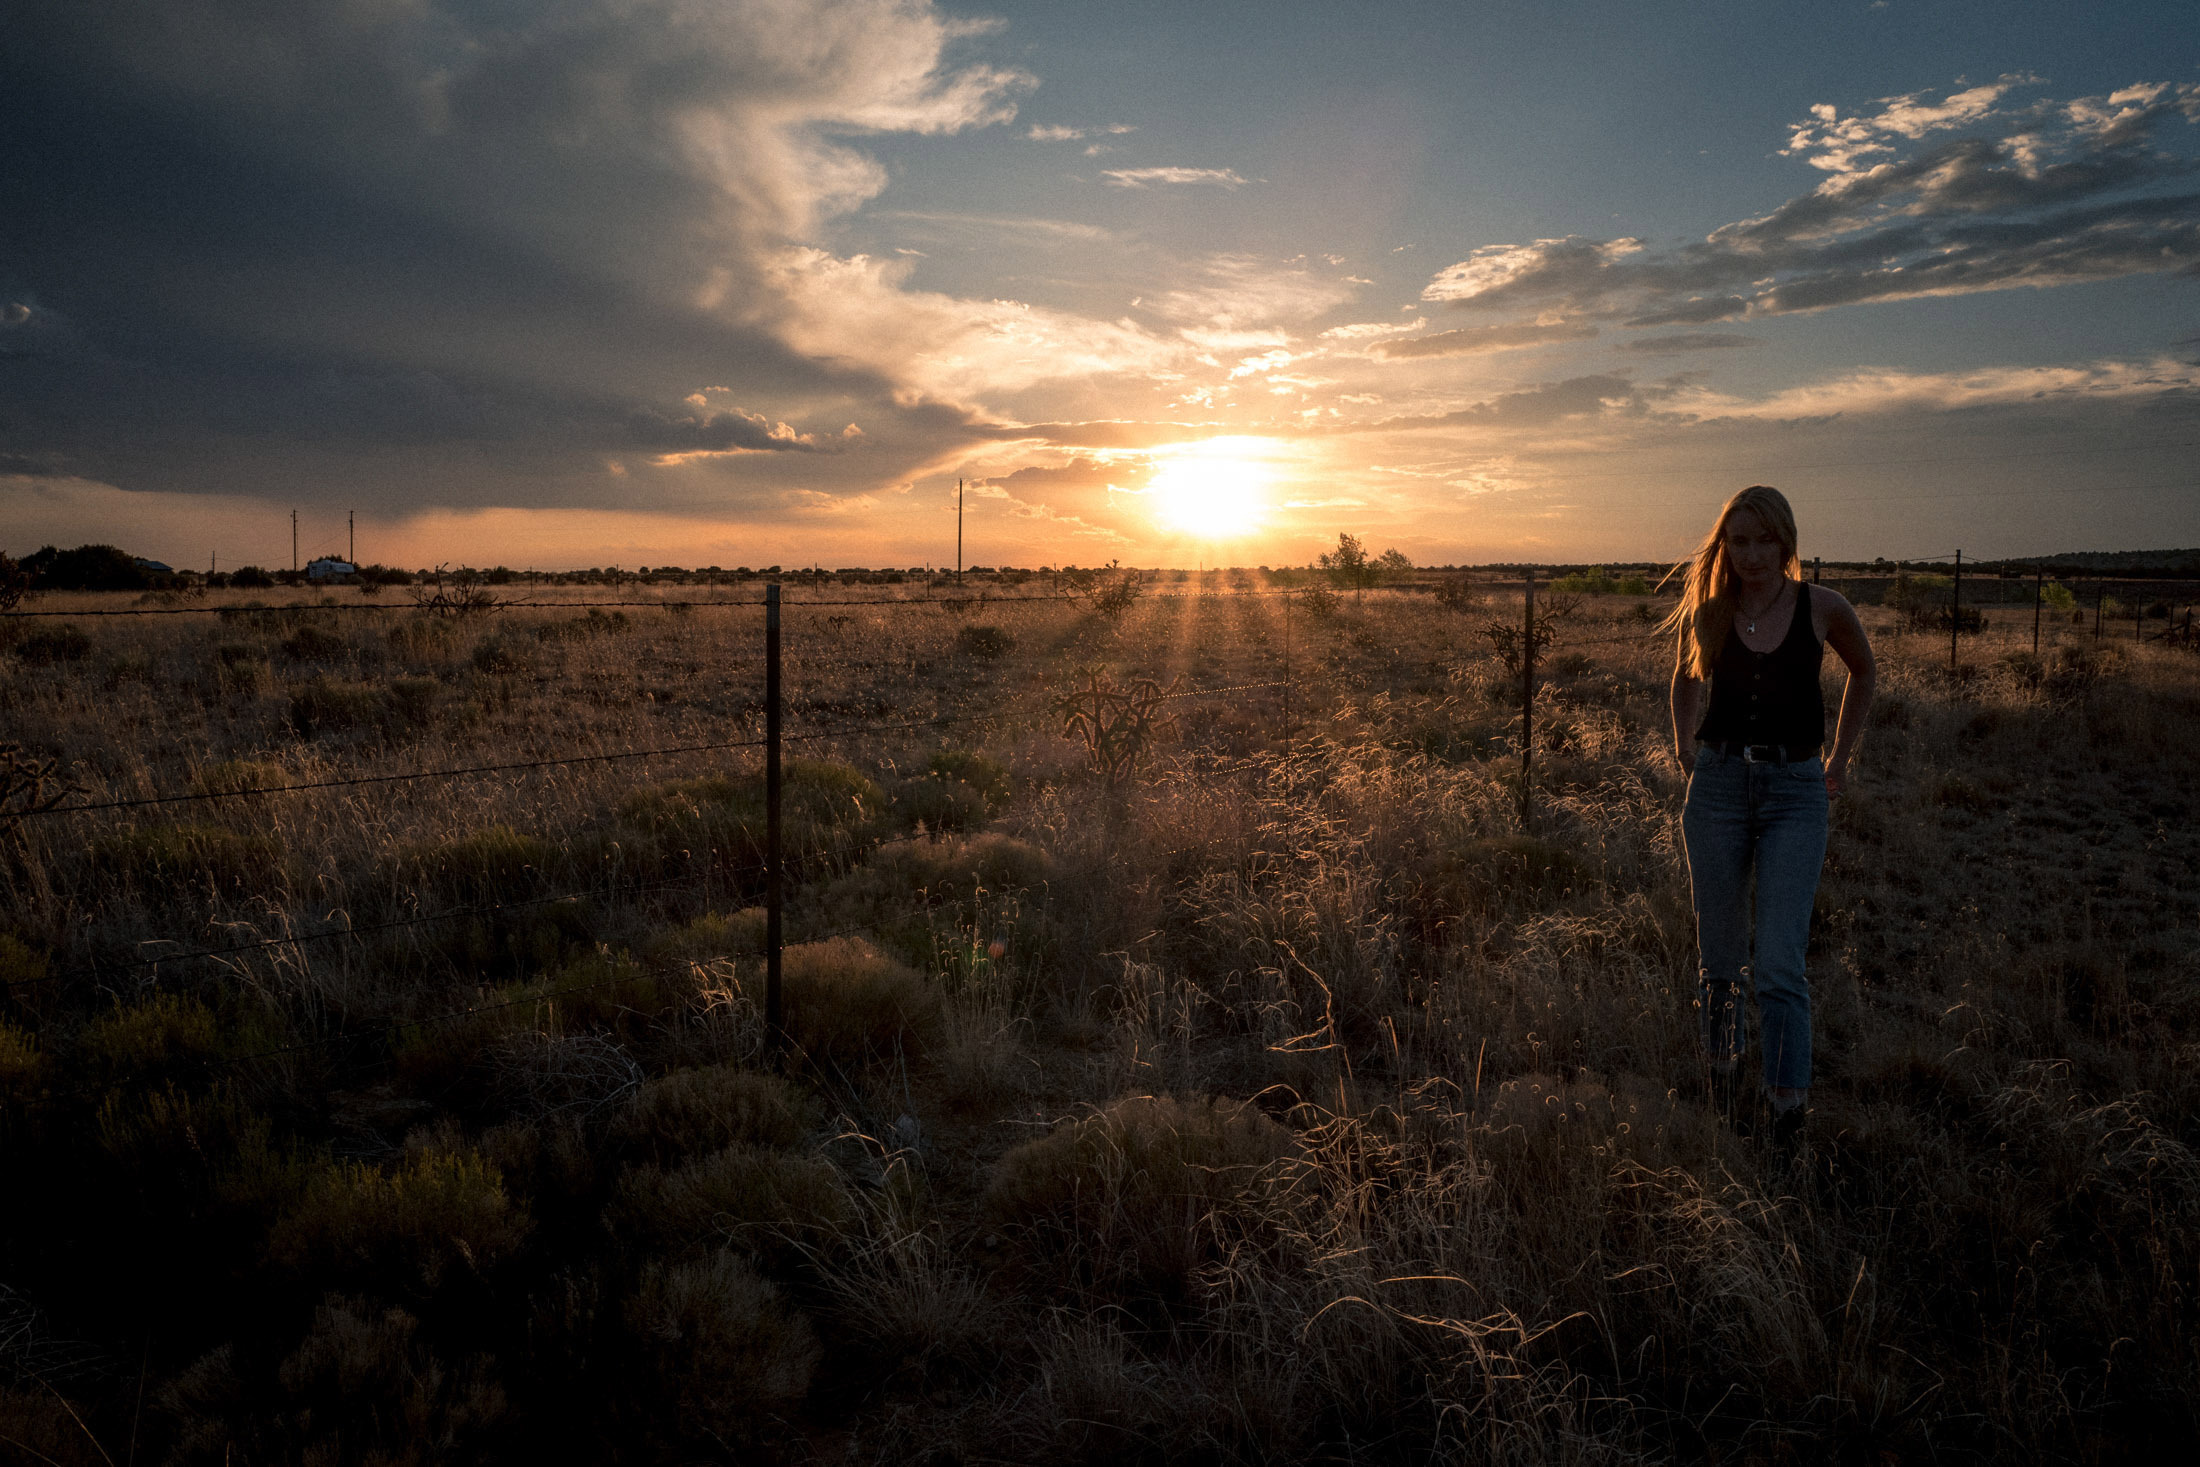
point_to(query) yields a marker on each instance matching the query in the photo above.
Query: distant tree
(251, 576)
(86, 568)
(13, 582)
(1391, 562)
(1349, 565)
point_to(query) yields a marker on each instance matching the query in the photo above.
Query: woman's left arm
(1845, 635)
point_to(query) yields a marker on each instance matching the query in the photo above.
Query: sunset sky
(589, 282)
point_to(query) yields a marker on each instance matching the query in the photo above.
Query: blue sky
(674, 281)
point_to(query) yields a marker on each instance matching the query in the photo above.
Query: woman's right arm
(1686, 700)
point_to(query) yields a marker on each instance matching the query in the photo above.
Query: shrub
(44, 1427)
(824, 804)
(987, 776)
(19, 1061)
(710, 1109)
(1318, 602)
(718, 1345)
(201, 1149)
(58, 644)
(1457, 593)
(992, 861)
(20, 963)
(499, 653)
(1140, 1194)
(326, 705)
(164, 855)
(435, 1212)
(938, 804)
(710, 936)
(362, 1386)
(753, 1196)
(412, 701)
(986, 643)
(421, 639)
(313, 644)
(493, 862)
(582, 628)
(848, 1005)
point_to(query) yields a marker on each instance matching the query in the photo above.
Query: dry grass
(523, 1183)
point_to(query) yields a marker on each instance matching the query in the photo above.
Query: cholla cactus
(1116, 724)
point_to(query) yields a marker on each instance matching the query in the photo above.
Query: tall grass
(1294, 1103)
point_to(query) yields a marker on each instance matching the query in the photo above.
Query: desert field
(1244, 1074)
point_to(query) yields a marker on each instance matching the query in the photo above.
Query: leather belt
(1761, 753)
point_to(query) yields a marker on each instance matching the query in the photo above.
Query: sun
(1215, 490)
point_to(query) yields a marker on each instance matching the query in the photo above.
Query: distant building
(152, 567)
(329, 568)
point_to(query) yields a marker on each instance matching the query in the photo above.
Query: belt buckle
(1750, 754)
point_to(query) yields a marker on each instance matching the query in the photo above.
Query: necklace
(1775, 601)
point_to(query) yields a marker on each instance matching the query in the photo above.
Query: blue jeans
(1770, 818)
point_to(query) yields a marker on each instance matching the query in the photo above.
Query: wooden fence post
(774, 886)
(1955, 615)
(1527, 698)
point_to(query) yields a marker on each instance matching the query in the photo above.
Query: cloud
(2036, 390)
(727, 432)
(1471, 340)
(1245, 293)
(433, 250)
(1042, 133)
(1227, 178)
(1690, 341)
(1997, 197)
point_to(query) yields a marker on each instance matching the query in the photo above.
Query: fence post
(2100, 599)
(2039, 599)
(1527, 697)
(774, 891)
(1955, 614)
(1287, 670)
(1817, 564)
(2138, 609)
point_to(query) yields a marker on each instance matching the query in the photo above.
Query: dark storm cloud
(2041, 195)
(422, 249)
(1078, 473)
(1690, 341)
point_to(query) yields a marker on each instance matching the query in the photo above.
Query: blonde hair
(1709, 593)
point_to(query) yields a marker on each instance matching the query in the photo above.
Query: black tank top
(1770, 697)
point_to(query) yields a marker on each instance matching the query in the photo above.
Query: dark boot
(1787, 1129)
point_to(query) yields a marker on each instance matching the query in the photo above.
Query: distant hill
(2126, 562)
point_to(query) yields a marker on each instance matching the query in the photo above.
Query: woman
(1754, 632)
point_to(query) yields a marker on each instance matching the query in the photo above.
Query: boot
(1787, 1129)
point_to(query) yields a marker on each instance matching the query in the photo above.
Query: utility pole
(351, 524)
(294, 539)
(958, 532)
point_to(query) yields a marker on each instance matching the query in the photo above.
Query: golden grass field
(1286, 1101)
